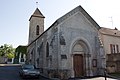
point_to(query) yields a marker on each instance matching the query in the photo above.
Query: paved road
(11, 72)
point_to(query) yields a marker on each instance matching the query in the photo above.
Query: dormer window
(37, 30)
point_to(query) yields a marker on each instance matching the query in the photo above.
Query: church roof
(75, 10)
(37, 13)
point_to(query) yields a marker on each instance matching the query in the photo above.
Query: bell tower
(36, 25)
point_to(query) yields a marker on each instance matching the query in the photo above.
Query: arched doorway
(79, 52)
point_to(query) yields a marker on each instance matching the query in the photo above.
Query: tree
(7, 51)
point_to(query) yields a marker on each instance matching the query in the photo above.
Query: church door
(78, 65)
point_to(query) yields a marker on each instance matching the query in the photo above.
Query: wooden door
(78, 65)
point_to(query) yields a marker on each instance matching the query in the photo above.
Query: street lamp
(105, 74)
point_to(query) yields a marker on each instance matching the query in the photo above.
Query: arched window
(47, 50)
(37, 30)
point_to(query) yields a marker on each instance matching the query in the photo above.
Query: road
(11, 72)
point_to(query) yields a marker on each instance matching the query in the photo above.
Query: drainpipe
(88, 64)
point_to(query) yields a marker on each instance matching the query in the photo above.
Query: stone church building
(70, 47)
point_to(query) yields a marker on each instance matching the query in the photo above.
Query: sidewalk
(99, 78)
(10, 64)
(95, 78)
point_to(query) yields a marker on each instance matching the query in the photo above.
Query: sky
(15, 14)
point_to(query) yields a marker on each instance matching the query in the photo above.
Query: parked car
(28, 70)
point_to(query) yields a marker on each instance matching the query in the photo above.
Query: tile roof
(112, 32)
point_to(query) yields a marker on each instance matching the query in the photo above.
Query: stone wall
(113, 63)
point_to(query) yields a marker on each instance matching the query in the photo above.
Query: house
(70, 47)
(3, 59)
(111, 42)
(20, 55)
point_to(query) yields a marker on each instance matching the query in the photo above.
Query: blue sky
(15, 14)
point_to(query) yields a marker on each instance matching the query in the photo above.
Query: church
(70, 47)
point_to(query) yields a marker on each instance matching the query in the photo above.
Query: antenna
(111, 20)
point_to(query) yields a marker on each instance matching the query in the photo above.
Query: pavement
(99, 78)
(96, 78)
(10, 64)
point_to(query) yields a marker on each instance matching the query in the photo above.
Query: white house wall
(107, 40)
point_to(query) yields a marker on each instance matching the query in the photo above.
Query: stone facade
(70, 41)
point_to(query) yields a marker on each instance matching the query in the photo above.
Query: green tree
(7, 51)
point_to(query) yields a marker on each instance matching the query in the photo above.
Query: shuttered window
(117, 48)
(111, 48)
(114, 48)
